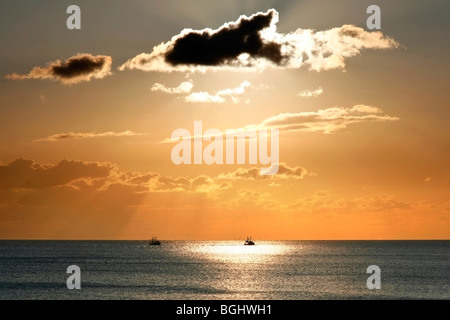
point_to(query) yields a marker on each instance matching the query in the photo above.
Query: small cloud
(273, 184)
(42, 98)
(365, 109)
(220, 96)
(204, 97)
(284, 172)
(78, 68)
(85, 135)
(184, 87)
(310, 94)
(427, 179)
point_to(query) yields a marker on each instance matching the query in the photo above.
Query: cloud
(220, 96)
(326, 120)
(184, 87)
(155, 182)
(78, 68)
(253, 43)
(365, 109)
(204, 97)
(310, 94)
(85, 135)
(284, 172)
(75, 197)
(92, 200)
(25, 174)
(216, 47)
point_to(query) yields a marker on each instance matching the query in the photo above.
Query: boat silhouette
(154, 242)
(249, 242)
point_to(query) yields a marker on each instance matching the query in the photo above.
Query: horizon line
(263, 240)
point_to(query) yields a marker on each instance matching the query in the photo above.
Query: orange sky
(364, 146)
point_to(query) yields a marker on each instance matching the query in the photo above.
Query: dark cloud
(77, 66)
(25, 174)
(253, 43)
(210, 48)
(81, 67)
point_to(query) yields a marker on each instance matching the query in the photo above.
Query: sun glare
(241, 253)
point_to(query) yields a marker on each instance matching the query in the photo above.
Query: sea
(224, 270)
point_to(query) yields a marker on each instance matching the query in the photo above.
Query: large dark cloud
(217, 47)
(81, 67)
(253, 43)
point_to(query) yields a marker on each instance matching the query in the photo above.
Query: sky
(87, 116)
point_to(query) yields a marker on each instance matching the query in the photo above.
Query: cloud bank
(92, 200)
(26, 174)
(78, 68)
(96, 185)
(253, 43)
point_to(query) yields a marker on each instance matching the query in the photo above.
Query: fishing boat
(154, 242)
(249, 242)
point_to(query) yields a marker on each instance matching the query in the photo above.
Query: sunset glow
(86, 119)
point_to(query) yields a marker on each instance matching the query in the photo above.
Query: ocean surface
(218, 270)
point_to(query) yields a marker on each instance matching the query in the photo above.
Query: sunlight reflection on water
(225, 270)
(234, 253)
